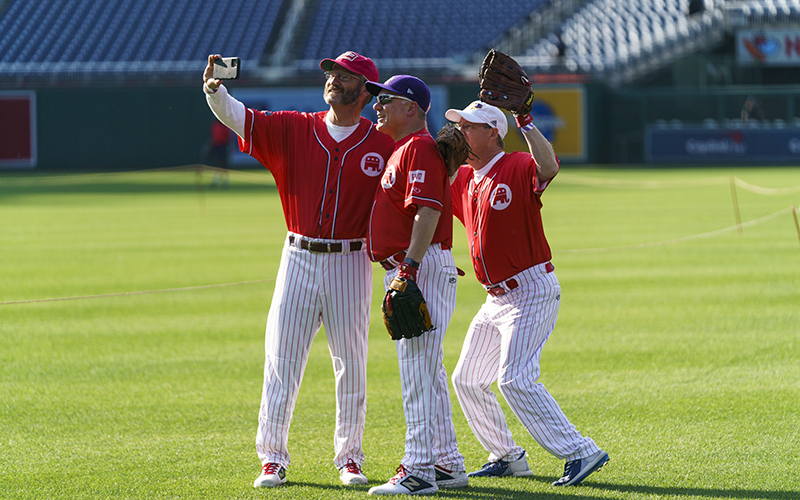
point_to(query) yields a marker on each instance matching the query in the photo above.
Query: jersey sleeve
(268, 136)
(426, 176)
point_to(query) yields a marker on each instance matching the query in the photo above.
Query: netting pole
(736, 205)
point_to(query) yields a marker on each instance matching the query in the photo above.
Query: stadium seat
(430, 30)
(121, 31)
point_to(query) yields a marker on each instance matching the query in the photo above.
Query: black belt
(321, 247)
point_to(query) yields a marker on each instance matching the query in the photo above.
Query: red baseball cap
(354, 62)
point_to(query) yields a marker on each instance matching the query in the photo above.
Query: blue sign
(701, 145)
(546, 120)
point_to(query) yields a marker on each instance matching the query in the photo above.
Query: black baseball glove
(453, 147)
(405, 312)
(504, 83)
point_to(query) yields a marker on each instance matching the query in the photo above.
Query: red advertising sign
(17, 129)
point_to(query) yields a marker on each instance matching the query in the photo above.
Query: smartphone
(227, 68)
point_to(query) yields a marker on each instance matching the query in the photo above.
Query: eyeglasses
(387, 98)
(343, 77)
(466, 127)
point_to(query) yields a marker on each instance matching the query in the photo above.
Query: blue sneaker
(501, 468)
(576, 471)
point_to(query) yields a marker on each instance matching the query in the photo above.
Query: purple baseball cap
(406, 86)
(354, 62)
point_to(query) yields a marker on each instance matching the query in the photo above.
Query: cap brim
(455, 115)
(326, 64)
(375, 88)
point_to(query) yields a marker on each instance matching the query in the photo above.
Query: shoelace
(352, 467)
(569, 466)
(401, 472)
(500, 464)
(271, 468)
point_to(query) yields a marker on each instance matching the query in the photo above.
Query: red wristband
(406, 271)
(523, 120)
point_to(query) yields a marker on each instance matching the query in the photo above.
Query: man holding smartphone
(326, 165)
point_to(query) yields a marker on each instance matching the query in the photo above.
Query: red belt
(498, 290)
(395, 260)
(510, 284)
(321, 247)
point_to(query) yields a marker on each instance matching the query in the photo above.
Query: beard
(345, 97)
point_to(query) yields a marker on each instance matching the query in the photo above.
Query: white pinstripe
(504, 343)
(312, 289)
(430, 435)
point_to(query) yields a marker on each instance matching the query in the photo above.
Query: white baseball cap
(480, 112)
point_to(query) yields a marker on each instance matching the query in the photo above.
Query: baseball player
(497, 196)
(326, 166)
(410, 234)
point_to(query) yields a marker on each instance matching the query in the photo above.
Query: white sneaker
(451, 479)
(271, 475)
(351, 474)
(404, 483)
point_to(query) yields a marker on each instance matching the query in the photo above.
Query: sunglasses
(387, 98)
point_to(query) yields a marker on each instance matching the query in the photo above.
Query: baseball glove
(504, 83)
(453, 147)
(405, 312)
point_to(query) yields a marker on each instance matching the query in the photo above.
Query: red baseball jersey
(502, 215)
(326, 187)
(415, 176)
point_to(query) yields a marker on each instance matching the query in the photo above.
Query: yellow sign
(559, 113)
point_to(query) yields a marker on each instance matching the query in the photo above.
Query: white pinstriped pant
(430, 435)
(504, 343)
(312, 289)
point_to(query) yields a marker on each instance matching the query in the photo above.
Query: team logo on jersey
(416, 176)
(372, 164)
(389, 177)
(501, 197)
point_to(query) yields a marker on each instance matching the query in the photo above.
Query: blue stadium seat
(430, 30)
(119, 31)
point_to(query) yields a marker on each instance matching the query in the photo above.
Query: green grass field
(677, 346)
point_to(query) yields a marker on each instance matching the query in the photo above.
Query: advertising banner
(768, 47)
(700, 145)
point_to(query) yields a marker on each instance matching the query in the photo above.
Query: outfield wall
(143, 128)
(705, 126)
(120, 128)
